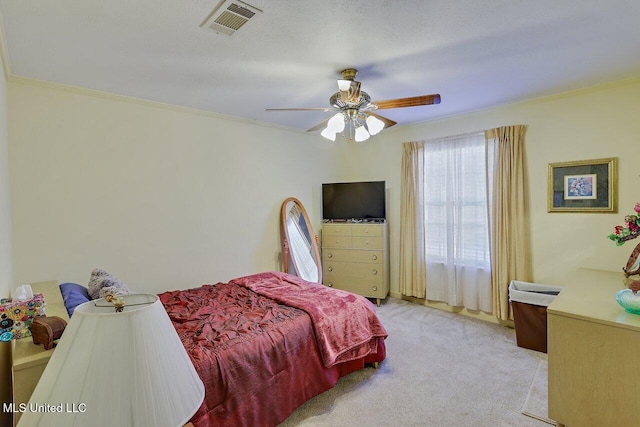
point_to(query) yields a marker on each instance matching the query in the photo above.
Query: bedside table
(28, 360)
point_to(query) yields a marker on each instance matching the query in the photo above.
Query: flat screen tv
(353, 200)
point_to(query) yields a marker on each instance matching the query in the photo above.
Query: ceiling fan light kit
(327, 133)
(344, 84)
(374, 125)
(353, 110)
(336, 123)
(361, 134)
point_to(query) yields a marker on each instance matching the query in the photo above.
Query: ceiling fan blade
(319, 126)
(387, 122)
(353, 94)
(301, 109)
(414, 101)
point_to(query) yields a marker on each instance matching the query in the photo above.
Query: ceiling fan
(354, 110)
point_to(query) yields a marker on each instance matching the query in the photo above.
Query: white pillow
(102, 283)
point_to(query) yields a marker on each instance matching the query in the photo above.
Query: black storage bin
(529, 302)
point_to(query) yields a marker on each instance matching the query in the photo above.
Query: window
(458, 194)
(456, 201)
(456, 221)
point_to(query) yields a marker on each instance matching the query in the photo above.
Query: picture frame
(583, 186)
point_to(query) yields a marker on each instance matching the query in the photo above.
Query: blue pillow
(73, 295)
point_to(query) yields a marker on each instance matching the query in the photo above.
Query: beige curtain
(508, 218)
(412, 239)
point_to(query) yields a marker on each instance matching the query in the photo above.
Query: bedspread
(346, 325)
(257, 359)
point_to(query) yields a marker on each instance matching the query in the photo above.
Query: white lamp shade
(336, 123)
(328, 133)
(375, 125)
(117, 369)
(361, 134)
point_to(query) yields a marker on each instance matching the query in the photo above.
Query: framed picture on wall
(583, 186)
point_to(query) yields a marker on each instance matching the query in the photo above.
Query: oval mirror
(300, 246)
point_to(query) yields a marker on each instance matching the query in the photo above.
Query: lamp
(374, 124)
(359, 129)
(111, 368)
(336, 123)
(361, 134)
(329, 134)
(344, 84)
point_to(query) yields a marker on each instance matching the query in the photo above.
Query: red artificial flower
(630, 230)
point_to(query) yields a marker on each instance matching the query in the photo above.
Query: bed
(264, 344)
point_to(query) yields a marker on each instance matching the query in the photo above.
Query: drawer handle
(374, 271)
(337, 242)
(374, 288)
(366, 243)
(366, 231)
(330, 284)
(330, 268)
(329, 255)
(375, 257)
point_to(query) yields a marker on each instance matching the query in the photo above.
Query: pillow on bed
(102, 283)
(73, 295)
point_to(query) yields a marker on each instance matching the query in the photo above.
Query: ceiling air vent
(229, 16)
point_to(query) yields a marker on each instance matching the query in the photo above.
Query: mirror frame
(315, 244)
(634, 261)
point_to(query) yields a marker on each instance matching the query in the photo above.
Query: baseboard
(476, 314)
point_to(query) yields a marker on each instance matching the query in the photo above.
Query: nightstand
(28, 360)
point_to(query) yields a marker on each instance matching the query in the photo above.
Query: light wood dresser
(355, 258)
(594, 354)
(28, 360)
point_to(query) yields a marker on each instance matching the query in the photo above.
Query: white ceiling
(474, 53)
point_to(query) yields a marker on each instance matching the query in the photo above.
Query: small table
(28, 360)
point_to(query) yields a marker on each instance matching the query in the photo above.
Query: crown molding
(581, 91)
(28, 81)
(539, 99)
(188, 110)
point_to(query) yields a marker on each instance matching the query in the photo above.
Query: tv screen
(353, 200)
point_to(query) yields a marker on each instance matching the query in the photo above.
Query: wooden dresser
(594, 354)
(28, 360)
(355, 258)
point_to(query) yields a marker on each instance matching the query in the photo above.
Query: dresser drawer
(336, 230)
(337, 242)
(367, 242)
(368, 271)
(355, 258)
(352, 255)
(367, 230)
(357, 285)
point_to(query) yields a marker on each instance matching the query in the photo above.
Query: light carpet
(536, 404)
(442, 369)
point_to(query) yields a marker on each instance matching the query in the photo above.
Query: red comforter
(346, 325)
(259, 358)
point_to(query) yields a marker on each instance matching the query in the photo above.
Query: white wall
(596, 123)
(6, 274)
(161, 197)
(6, 271)
(169, 199)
